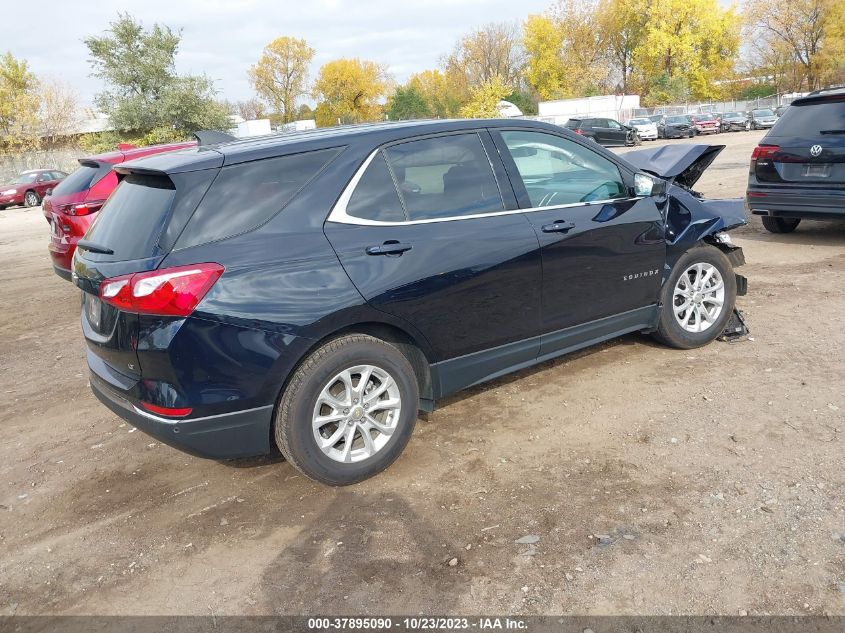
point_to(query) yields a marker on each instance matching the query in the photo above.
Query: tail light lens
(84, 208)
(170, 412)
(764, 152)
(578, 130)
(169, 292)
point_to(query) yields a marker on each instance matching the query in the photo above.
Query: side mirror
(645, 185)
(49, 191)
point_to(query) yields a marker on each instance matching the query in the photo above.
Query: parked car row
(690, 125)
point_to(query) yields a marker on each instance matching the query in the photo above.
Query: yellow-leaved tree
(484, 99)
(280, 77)
(350, 91)
(690, 42)
(442, 97)
(19, 104)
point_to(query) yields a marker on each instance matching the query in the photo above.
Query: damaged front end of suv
(690, 218)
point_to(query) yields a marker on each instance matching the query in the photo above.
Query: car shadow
(366, 553)
(808, 233)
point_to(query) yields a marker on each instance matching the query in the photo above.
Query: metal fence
(737, 105)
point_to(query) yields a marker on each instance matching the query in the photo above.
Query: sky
(222, 38)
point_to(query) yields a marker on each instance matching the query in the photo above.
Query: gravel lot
(657, 481)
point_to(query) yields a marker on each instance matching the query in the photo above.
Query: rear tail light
(764, 152)
(84, 208)
(578, 130)
(170, 412)
(169, 291)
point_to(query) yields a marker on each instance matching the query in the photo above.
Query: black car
(798, 168)
(675, 126)
(603, 131)
(312, 292)
(734, 121)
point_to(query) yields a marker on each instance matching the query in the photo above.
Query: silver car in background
(645, 127)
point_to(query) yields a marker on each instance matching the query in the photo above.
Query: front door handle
(391, 247)
(558, 226)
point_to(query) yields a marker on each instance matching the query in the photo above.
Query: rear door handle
(391, 247)
(558, 227)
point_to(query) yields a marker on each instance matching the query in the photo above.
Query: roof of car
(820, 96)
(271, 145)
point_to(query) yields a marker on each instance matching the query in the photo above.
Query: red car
(29, 187)
(705, 124)
(72, 206)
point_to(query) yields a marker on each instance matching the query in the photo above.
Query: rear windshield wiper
(93, 247)
(832, 132)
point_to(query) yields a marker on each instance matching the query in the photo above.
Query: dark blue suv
(313, 292)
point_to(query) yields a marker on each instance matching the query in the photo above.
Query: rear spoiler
(212, 137)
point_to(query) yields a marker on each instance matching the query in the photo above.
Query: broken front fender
(690, 219)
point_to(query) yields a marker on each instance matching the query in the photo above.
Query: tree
(492, 51)
(146, 97)
(693, 40)
(349, 91)
(248, 109)
(407, 103)
(280, 77)
(442, 97)
(59, 114)
(484, 100)
(622, 24)
(566, 53)
(811, 32)
(18, 105)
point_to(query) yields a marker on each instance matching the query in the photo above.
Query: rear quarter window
(245, 196)
(810, 120)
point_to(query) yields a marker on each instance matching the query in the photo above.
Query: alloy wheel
(698, 297)
(31, 199)
(356, 413)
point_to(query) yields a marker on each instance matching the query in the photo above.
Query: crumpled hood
(679, 163)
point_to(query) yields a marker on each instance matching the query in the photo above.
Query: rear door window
(556, 171)
(444, 177)
(244, 196)
(812, 120)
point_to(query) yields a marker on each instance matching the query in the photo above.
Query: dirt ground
(658, 481)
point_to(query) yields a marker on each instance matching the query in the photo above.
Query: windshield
(763, 113)
(731, 115)
(677, 119)
(639, 121)
(25, 177)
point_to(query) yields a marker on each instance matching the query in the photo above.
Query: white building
(619, 107)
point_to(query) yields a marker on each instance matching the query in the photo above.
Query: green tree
(442, 97)
(349, 91)
(280, 77)
(146, 98)
(19, 105)
(484, 99)
(523, 101)
(407, 103)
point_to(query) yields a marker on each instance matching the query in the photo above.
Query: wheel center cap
(357, 413)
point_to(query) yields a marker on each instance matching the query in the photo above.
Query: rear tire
(780, 225)
(680, 297)
(326, 399)
(31, 199)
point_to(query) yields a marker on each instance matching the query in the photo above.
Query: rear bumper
(243, 433)
(64, 273)
(796, 203)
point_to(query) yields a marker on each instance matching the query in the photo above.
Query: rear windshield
(81, 180)
(131, 220)
(812, 119)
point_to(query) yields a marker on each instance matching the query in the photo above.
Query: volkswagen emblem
(815, 150)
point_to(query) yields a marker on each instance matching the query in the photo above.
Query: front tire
(348, 410)
(780, 225)
(697, 299)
